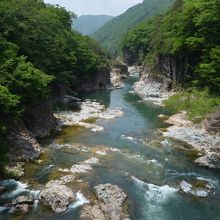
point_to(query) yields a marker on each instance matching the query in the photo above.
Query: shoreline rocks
(89, 110)
(208, 145)
(154, 89)
(150, 89)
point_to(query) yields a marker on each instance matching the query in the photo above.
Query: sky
(95, 7)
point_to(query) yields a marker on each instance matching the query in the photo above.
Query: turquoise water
(147, 167)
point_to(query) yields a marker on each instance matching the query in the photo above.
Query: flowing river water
(145, 165)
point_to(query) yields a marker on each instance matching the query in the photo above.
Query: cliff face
(98, 80)
(176, 68)
(40, 119)
(22, 143)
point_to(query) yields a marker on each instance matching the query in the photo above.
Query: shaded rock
(57, 196)
(112, 198)
(91, 212)
(45, 124)
(23, 199)
(22, 204)
(2, 188)
(98, 80)
(20, 209)
(22, 142)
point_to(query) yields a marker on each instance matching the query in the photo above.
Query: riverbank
(182, 129)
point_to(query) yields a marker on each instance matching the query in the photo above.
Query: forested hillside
(183, 46)
(39, 53)
(111, 34)
(88, 24)
(185, 41)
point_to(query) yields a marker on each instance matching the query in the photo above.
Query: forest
(38, 50)
(188, 31)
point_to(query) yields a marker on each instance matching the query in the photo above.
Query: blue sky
(94, 7)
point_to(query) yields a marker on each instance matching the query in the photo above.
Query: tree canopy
(189, 30)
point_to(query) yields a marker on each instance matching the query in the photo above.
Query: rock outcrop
(57, 196)
(109, 204)
(155, 89)
(22, 143)
(40, 120)
(185, 131)
(96, 81)
(88, 110)
(118, 72)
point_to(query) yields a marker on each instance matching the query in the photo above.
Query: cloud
(94, 7)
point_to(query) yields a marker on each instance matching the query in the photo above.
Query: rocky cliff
(98, 80)
(40, 120)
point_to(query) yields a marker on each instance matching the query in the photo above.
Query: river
(146, 166)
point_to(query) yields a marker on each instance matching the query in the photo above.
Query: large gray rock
(57, 196)
(112, 198)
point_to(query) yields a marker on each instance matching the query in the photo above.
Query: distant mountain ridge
(111, 34)
(88, 24)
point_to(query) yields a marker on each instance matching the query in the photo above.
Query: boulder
(22, 204)
(91, 212)
(57, 196)
(23, 199)
(112, 198)
(20, 209)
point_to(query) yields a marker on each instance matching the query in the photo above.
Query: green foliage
(189, 33)
(38, 50)
(111, 34)
(198, 104)
(8, 102)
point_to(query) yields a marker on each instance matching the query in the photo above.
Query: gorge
(84, 135)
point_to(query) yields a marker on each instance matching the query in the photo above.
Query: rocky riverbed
(127, 170)
(206, 144)
(182, 129)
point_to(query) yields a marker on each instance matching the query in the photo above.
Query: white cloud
(94, 7)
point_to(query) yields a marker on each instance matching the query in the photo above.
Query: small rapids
(158, 175)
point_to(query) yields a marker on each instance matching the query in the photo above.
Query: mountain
(88, 24)
(110, 34)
